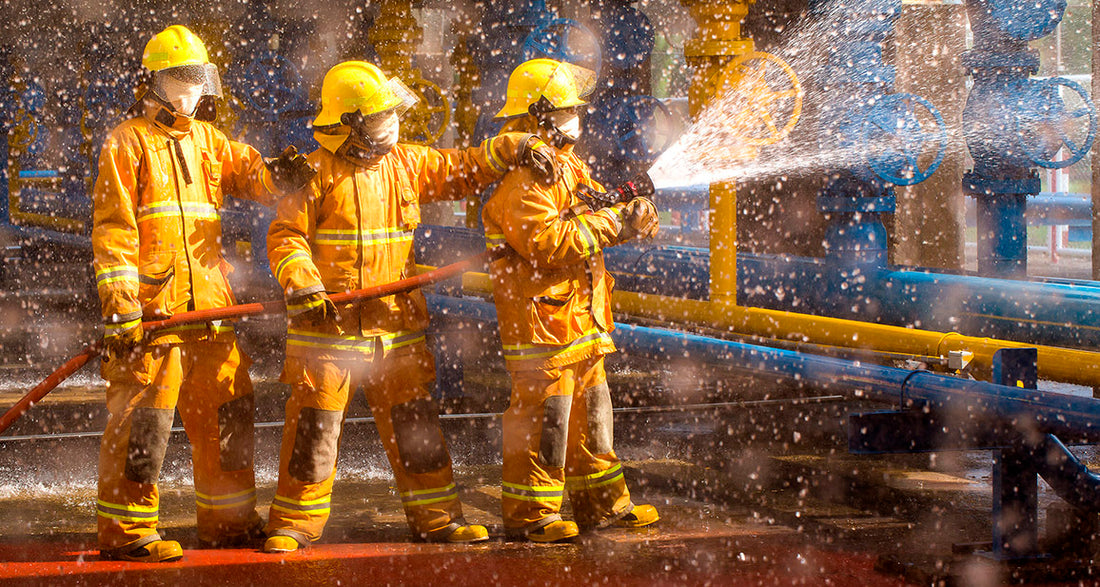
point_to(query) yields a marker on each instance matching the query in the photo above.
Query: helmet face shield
(407, 98)
(205, 74)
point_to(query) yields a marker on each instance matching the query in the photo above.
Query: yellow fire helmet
(173, 47)
(177, 55)
(563, 85)
(356, 86)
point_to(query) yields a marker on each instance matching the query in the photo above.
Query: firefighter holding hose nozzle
(552, 298)
(352, 227)
(156, 239)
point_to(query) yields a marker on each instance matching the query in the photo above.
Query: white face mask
(385, 132)
(567, 122)
(183, 96)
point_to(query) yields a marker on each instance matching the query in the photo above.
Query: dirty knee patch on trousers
(600, 420)
(555, 430)
(235, 432)
(315, 443)
(149, 430)
(419, 441)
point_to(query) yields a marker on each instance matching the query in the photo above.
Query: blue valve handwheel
(639, 128)
(895, 138)
(272, 85)
(1042, 118)
(564, 39)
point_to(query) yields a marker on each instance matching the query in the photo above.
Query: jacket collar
(176, 126)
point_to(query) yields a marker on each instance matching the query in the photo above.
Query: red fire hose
(91, 351)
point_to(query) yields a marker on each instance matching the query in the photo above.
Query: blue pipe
(1024, 411)
(980, 402)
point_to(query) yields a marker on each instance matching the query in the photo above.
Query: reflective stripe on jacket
(352, 227)
(156, 235)
(551, 289)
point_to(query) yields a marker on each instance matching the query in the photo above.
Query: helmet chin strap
(542, 110)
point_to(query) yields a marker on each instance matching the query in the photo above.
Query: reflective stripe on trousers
(397, 388)
(589, 471)
(208, 383)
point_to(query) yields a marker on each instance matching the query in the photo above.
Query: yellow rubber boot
(640, 516)
(281, 544)
(160, 551)
(467, 534)
(557, 531)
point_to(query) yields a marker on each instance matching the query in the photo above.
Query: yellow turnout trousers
(396, 383)
(558, 439)
(208, 382)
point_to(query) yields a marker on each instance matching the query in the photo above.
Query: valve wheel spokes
(1047, 110)
(751, 77)
(895, 137)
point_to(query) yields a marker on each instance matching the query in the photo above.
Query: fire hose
(240, 311)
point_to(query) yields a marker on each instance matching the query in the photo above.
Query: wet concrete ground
(757, 490)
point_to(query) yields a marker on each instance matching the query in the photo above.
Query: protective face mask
(384, 133)
(568, 123)
(183, 96)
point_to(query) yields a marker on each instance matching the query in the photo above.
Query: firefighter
(353, 228)
(552, 296)
(156, 237)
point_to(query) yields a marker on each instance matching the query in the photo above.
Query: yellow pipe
(1055, 363)
(717, 42)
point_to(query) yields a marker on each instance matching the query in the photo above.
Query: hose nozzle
(641, 186)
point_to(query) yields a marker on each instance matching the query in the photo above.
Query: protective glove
(640, 219)
(538, 156)
(125, 342)
(315, 309)
(289, 171)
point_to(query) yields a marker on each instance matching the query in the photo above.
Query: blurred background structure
(896, 202)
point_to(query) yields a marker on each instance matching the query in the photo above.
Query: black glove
(125, 342)
(314, 309)
(541, 159)
(289, 171)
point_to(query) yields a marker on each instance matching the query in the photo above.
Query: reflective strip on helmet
(246, 498)
(522, 351)
(551, 493)
(308, 506)
(592, 246)
(495, 240)
(379, 236)
(493, 157)
(429, 496)
(116, 273)
(359, 344)
(594, 480)
(191, 210)
(295, 256)
(127, 512)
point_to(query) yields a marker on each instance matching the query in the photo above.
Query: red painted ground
(619, 559)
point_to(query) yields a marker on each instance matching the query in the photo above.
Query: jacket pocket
(155, 277)
(212, 175)
(551, 316)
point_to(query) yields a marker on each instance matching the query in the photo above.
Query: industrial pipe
(979, 401)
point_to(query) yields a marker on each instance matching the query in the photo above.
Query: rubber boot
(281, 544)
(464, 535)
(638, 517)
(557, 531)
(159, 551)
